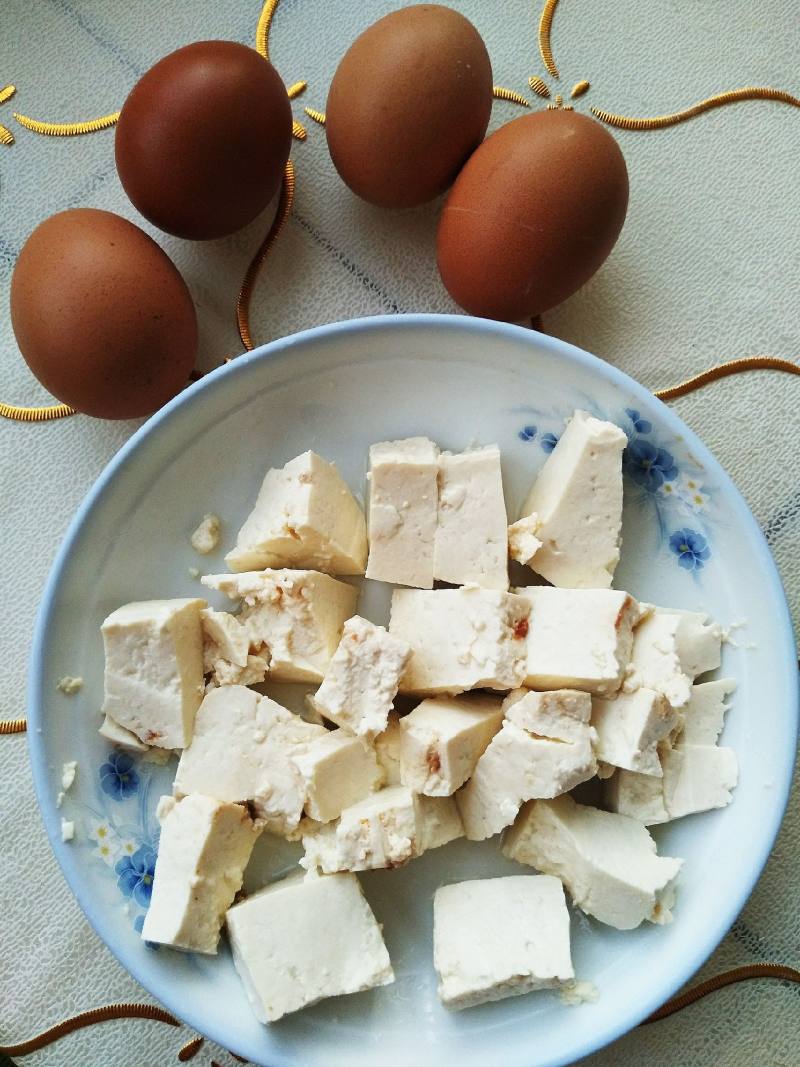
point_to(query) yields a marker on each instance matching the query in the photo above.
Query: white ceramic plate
(689, 541)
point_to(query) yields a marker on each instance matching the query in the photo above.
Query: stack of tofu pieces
(519, 695)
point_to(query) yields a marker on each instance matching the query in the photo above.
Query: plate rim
(281, 347)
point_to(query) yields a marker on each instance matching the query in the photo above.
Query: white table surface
(706, 270)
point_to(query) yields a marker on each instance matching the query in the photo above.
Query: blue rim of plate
(662, 990)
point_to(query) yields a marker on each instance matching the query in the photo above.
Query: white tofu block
(305, 516)
(704, 715)
(577, 501)
(607, 862)
(440, 821)
(203, 850)
(226, 656)
(119, 736)
(403, 509)
(578, 638)
(523, 542)
(670, 649)
(442, 740)
(297, 615)
(699, 641)
(299, 941)
(383, 830)
(468, 638)
(338, 770)
(362, 678)
(500, 937)
(154, 669)
(543, 750)
(629, 727)
(471, 543)
(640, 796)
(387, 749)
(698, 778)
(241, 751)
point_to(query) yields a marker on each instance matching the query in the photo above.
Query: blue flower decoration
(691, 548)
(548, 441)
(639, 424)
(138, 925)
(135, 875)
(117, 776)
(527, 433)
(648, 465)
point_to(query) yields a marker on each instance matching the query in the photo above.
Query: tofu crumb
(577, 992)
(194, 572)
(206, 537)
(59, 798)
(69, 686)
(68, 774)
(67, 830)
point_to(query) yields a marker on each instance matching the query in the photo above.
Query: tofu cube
(203, 850)
(629, 728)
(699, 641)
(299, 941)
(442, 739)
(226, 656)
(523, 542)
(338, 770)
(578, 638)
(119, 736)
(387, 749)
(440, 821)
(543, 750)
(154, 669)
(577, 503)
(704, 715)
(304, 516)
(362, 678)
(471, 543)
(607, 862)
(639, 796)
(500, 937)
(461, 639)
(403, 509)
(297, 615)
(242, 751)
(383, 830)
(670, 649)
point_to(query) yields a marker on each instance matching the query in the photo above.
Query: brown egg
(408, 103)
(101, 315)
(203, 138)
(532, 215)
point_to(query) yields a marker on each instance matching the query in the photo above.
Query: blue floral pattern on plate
(675, 491)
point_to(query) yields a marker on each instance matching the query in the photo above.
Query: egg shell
(101, 315)
(408, 103)
(203, 138)
(533, 215)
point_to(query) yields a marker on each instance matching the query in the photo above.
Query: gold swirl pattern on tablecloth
(711, 985)
(67, 129)
(659, 122)
(13, 726)
(499, 92)
(89, 1018)
(725, 370)
(545, 26)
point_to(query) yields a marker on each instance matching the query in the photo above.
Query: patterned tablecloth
(706, 270)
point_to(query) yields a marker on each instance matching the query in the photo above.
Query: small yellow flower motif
(128, 847)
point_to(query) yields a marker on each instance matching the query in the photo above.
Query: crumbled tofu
(607, 862)
(383, 830)
(670, 649)
(154, 669)
(297, 615)
(338, 770)
(387, 749)
(226, 656)
(704, 715)
(442, 740)
(299, 941)
(578, 638)
(69, 686)
(362, 678)
(577, 502)
(305, 516)
(695, 778)
(440, 822)
(193, 572)
(202, 853)
(468, 638)
(403, 509)
(500, 937)
(67, 830)
(471, 543)
(60, 798)
(543, 749)
(241, 752)
(523, 542)
(206, 537)
(158, 756)
(577, 992)
(629, 728)
(68, 772)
